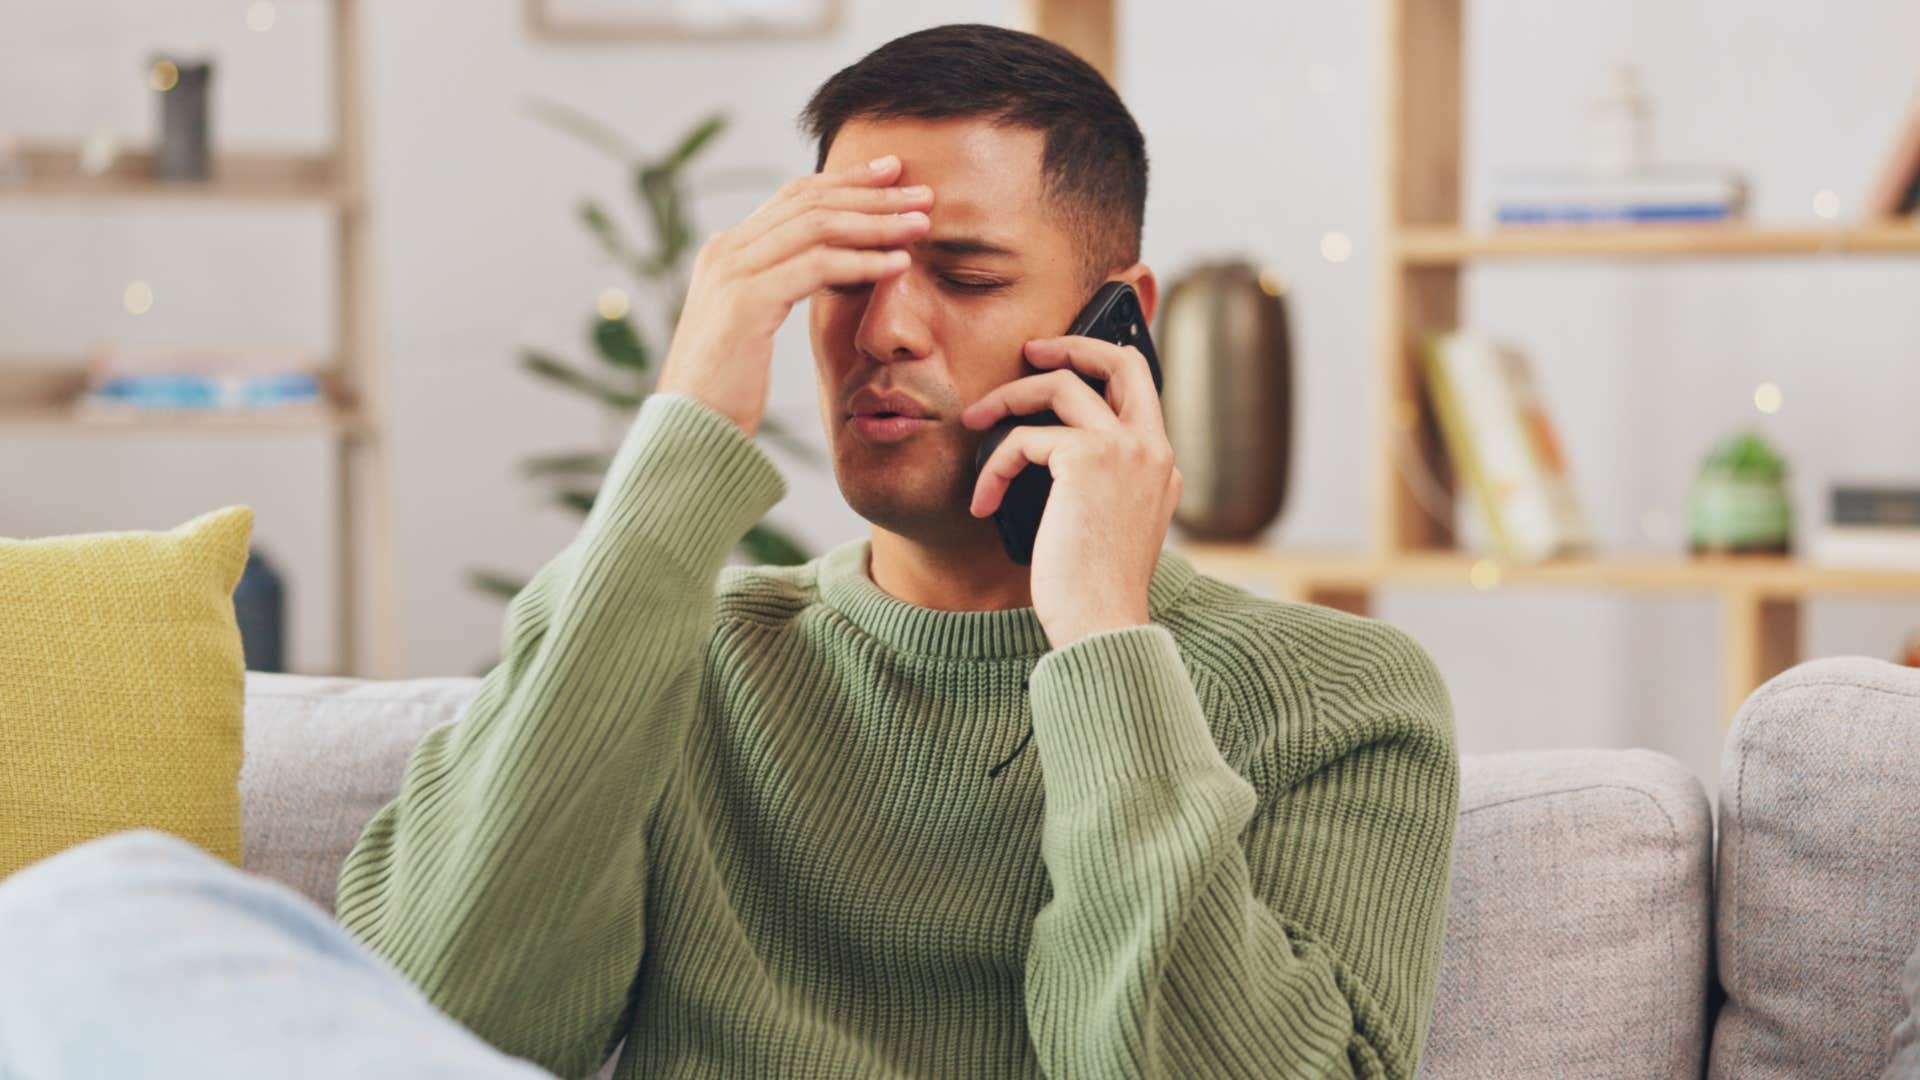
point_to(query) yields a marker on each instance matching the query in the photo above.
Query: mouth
(888, 427)
(883, 416)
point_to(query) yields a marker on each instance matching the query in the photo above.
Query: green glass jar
(1739, 503)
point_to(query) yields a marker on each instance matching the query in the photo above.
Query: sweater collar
(847, 586)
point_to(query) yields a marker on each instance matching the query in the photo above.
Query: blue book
(195, 391)
(1652, 196)
(1533, 214)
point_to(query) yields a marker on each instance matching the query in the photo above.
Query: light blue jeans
(139, 954)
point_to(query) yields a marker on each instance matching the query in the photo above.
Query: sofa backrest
(1817, 903)
(1577, 924)
(323, 755)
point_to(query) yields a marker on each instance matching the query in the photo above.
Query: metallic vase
(182, 152)
(1227, 362)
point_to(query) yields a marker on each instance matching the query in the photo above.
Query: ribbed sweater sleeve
(1159, 953)
(507, 879)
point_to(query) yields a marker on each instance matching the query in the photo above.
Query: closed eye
(972, 285)
(963, 285)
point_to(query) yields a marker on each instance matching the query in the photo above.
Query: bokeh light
(138, 298)
(613, 304)
(1485, 575)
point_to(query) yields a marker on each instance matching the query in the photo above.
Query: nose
(894, 325)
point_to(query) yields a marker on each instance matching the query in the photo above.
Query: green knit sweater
(743, 818)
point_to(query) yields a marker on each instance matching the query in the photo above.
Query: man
(783, 821)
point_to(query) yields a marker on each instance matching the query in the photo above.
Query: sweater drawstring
(997, 769)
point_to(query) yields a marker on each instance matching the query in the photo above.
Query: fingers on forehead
(865, 171)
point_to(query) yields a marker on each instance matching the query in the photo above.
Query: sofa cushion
(323, 755)
(1577, 922)
(1818, 898)
(121, 681)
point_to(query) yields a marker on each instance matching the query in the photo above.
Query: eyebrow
(969, 245)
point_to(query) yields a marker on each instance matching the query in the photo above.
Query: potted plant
(660, 268)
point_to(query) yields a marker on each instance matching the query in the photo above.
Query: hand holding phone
(1112, 315)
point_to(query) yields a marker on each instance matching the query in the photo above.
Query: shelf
(54, 174)
(46, 397)
(1758, 575)
(1445, 247)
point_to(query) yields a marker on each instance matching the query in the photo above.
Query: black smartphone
(1112, 315)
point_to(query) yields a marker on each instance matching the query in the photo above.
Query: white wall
(1261, 120)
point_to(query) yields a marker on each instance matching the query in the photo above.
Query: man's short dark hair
(1094, 166)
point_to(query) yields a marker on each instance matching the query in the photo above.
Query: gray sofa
(1593, 929)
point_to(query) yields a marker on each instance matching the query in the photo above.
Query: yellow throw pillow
(122, 686)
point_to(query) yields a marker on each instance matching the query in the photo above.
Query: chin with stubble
(920, 491)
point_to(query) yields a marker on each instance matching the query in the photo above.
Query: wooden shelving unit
(44, 394)
(1426, 251)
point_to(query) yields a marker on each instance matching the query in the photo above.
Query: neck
(956, 577)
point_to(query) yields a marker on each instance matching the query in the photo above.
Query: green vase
(1739, 504)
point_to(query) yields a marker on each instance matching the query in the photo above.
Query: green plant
(626, 375)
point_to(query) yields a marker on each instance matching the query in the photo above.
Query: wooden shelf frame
(53, 174)
(1441, 246)
(1767, 576)
(40, 396)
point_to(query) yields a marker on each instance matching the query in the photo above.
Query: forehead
(985, 177)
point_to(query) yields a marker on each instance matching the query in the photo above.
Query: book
(126, 380)
(1896, 187)
(1673, 194)
(208, 392)
(1884, 547)
(1874, 504)
(1504, 445)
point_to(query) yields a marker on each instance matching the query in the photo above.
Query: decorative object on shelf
(1870, 524)
(656, 20)
(1896, 188)
(1618, 142)
(663, 188)
(1738, 504)
(259, 605)
(182, 86)
(1228, 396)
(1503, 444)
(1621, 184)
(128, 382)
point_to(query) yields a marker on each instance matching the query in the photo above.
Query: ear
(1140, 276)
